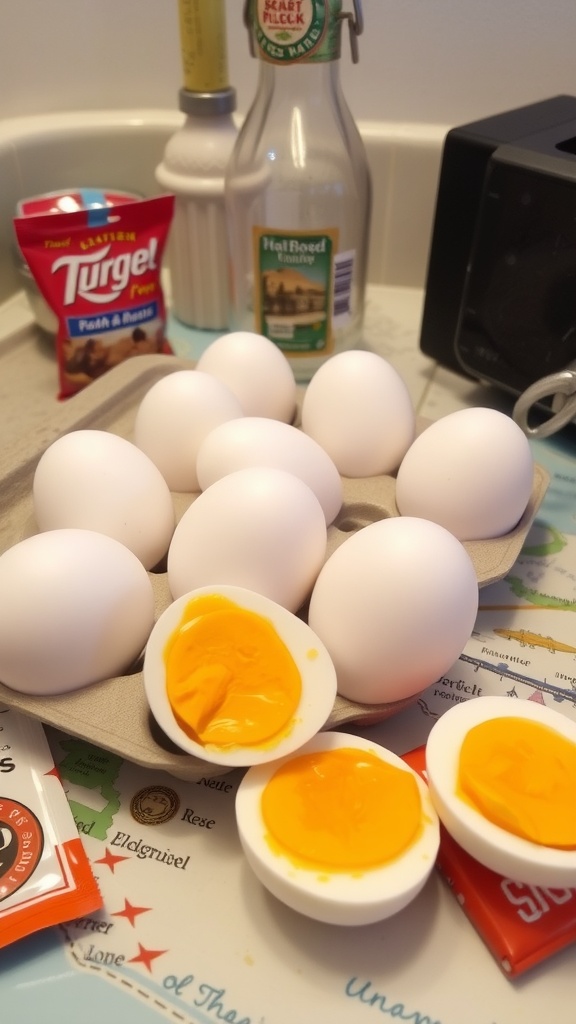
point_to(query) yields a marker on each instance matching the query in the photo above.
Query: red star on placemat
(146, 956)
(110, 859)
(130, 911)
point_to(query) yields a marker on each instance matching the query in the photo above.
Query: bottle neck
(310, 79)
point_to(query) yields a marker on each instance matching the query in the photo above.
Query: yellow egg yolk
(521, 775)
(230, 679)
(342, 810)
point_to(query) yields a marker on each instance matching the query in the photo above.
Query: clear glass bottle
(298, 190)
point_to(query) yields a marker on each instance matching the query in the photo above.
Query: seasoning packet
(45, 875)
(99, 271)
(522, 925)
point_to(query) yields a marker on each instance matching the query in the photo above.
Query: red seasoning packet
(45, 876)
(521, 925)
(99, 271)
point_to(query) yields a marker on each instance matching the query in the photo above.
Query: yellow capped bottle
(297, 188)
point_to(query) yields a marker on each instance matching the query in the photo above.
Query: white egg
(174, 417)
(317, 675)
(258, 441)
(255, 369)
(495, 847)
(358, 408)
(471, 471)
(95, 480)
(394, 605)
(75, 607)
(259, 528)
(325, 812)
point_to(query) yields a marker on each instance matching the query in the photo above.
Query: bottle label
(300, 290)
(296, 30)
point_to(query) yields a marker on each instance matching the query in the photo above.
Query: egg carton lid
(114, 713)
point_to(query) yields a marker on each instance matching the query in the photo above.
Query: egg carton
(114, 714)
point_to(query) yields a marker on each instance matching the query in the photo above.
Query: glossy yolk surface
(341, 810)
(521, 775)
(230, 679)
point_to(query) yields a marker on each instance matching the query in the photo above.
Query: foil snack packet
(45, 875)
(99, 271)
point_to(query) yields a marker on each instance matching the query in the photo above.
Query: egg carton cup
(114, 714)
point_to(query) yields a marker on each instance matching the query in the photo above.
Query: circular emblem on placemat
(154, 805)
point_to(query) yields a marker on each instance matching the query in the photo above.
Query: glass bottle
(297, 188)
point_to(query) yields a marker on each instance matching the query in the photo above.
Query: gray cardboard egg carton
(114, 714)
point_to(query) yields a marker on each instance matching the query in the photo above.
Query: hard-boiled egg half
(342, 831)
(236, 679)
(502, 776)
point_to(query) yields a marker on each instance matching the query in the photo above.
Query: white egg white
(395, 604)
(258, 441)
(259, 528)
(174, 417)
(311, 657)
(339, 898)
(256, 371)
(96, 480)
(502, 851)
(358, 408)
(470, 471)
(76, 607)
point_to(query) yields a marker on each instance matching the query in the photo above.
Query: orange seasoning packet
(522, 925)
(45, 875)
(99, 270)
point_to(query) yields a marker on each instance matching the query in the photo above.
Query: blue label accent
(94, 201)
(120, 319)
